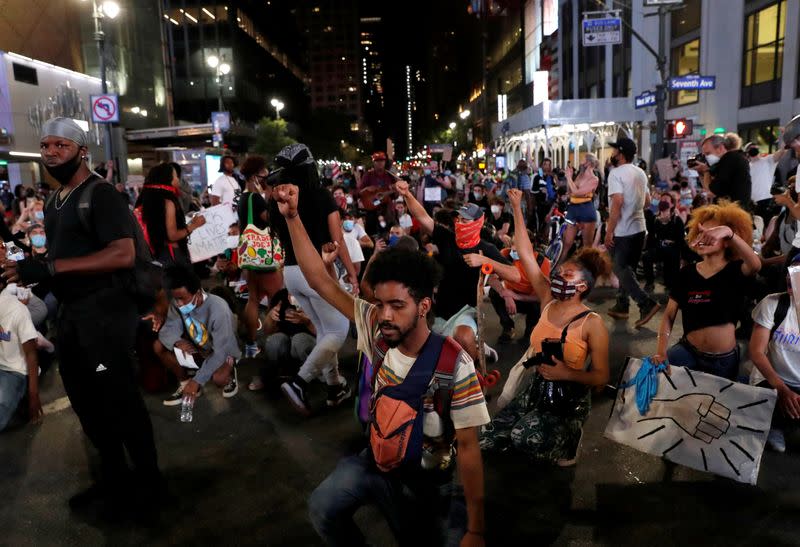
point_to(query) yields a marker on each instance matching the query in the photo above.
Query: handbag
(558, 397)
(258, 249)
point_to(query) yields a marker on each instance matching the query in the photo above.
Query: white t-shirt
(467, 408)
(17, 328)
(762, 172)
(225, 188)
(630, 181)
(354, 246)
(784, 347)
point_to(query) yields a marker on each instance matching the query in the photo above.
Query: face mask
(427, 171)
(383, 224)
(393, 239)
(38, 215)
(753, 152)
(514, 254)
(478, 195)
(664, 206)
(615, 160)
(348, 225)
(232, 242)
(561, 289)
(38, 240)
(348, 199)
(496, 209)
(712, 159)
(686, 202)
(63, 173)
(654, 202)
(186, 309)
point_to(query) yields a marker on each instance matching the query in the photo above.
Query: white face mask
(712, 159)
(496, 209)
(348, 199)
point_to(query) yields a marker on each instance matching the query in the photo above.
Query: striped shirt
(468, 407)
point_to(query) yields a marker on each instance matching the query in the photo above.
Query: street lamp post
(221, 68)
(99, 12)
(278, 105)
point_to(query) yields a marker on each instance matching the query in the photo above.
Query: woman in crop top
(523, 423)
(710, 294)
(581, 210)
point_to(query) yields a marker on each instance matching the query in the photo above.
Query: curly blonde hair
(724, 213)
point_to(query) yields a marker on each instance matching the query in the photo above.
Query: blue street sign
(602, 31)
(221, 121)
(648, 98)
(692, 82)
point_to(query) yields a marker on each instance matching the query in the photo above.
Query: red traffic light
(678, 129)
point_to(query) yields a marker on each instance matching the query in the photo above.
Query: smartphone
(551, 347)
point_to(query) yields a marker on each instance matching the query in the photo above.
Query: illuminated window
(685, 60)
(763, 54)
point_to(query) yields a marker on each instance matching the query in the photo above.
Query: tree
(271, 136)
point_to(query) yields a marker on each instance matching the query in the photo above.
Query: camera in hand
(777, 189)
(551, 347)
(693, 161)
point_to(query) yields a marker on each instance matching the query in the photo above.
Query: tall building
(743, 44)
(334, 59)
(254, 60)
(372, 46)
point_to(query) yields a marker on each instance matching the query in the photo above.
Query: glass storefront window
(763, 54)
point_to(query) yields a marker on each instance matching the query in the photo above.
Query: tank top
(576, 350)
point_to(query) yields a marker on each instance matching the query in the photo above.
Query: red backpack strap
(379, 349)
(444, 378)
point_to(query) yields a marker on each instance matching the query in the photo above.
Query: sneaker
(776, 440)
(647, 311)
(296, 396)
(491, 353)
(572, 460)
(506, 336)
(176, 398)
(256, 384)
(618, 311)
(232, 387)
(338, 394)
(251, 350)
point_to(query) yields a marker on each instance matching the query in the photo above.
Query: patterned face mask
(561, 289)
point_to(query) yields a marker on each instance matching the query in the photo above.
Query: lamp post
(221, 68)
(108, 9)
(278, 105)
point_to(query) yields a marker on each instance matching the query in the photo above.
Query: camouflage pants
(541, 435)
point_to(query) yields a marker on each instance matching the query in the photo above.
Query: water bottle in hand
(187, 405)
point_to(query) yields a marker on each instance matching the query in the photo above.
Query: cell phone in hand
(551, 347)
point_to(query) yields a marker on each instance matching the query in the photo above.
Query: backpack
(396, 414)
(780, 312)
(147, 272)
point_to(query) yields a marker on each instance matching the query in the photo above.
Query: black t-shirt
(502, 219)
(670, 233)
(281, 299)
(460, 282)
(259, 206)
(109, 220)
(314, 206)
(717, 300)
(731, 178)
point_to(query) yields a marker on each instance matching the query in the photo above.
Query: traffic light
(680, 128)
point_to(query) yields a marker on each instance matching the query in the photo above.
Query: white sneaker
(491, 353)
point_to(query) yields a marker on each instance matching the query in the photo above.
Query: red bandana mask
(468, 234)
(165, 187)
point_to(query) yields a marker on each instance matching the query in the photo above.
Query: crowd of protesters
(395, 256)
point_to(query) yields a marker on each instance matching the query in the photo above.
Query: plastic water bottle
(187, 405)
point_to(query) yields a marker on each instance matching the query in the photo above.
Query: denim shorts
(582, 212)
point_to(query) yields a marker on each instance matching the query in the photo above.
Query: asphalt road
(242, 470)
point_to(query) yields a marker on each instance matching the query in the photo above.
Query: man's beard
(63, 172)
(402, 334)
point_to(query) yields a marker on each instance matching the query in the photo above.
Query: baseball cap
(379, 156)
(624, 145)
(791, 131)
(470, 211)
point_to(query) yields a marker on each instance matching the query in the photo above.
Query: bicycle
(558, 223)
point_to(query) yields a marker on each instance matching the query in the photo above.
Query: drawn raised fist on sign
(698, 414)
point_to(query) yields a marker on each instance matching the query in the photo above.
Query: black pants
(669, 256)
(626, 253)
(96, 337)
(532, 311)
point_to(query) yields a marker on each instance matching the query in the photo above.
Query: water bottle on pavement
(187, 405)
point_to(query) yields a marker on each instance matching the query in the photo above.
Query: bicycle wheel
(553, 252)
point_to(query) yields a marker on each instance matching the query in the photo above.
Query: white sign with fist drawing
(697, 420)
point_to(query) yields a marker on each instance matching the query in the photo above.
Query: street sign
(221, 121)
(602, 31)
(648, 98)
(105, 108)
(692, 82)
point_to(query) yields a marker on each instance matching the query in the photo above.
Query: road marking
(56, 406)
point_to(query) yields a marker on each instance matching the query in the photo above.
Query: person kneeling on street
(199, 331)
(426, 407)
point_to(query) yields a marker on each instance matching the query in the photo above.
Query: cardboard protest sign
(211, 239)
(698, 420)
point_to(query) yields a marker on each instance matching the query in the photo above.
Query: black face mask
(615, 160)
(63, 173)
(753, 152)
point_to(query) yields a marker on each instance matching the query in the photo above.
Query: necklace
(56, 204)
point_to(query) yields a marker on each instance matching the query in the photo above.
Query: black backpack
(780, 313)
(145, 283)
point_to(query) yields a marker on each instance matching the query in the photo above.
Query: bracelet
(289, 217)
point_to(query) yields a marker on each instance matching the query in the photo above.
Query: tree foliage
(271, 136)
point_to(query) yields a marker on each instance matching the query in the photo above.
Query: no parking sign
(105, 108)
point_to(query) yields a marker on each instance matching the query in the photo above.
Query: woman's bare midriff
(715, 339)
